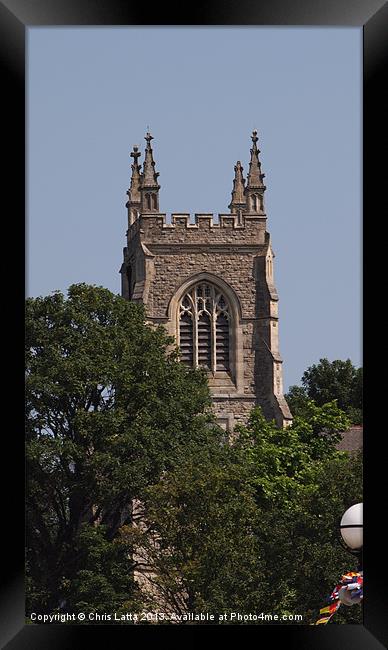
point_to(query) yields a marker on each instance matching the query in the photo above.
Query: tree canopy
(252, 526)
(108, 409)
(326, 381)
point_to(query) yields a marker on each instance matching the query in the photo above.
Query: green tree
(108, 410)
(252, 526)
(327, 381)
(197, 550)
(303, 486)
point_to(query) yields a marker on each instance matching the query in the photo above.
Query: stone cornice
(244, 319)
(201, 247)
(221, 397)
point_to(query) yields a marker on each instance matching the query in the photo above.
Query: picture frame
(15, 19)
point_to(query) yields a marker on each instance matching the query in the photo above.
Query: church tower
(212, 286)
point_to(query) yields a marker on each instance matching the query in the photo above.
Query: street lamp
(349, 591)
(351, 528)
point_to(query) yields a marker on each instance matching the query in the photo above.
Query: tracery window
(204, 328)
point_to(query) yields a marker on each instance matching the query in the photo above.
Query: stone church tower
(212, 286)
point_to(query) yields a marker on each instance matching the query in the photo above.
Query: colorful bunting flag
(350, 588)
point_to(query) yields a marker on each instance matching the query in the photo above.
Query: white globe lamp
(351, 528)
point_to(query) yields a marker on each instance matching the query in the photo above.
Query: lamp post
(349, 591)
(351, 528)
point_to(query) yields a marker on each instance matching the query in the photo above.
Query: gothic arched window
(204, 328)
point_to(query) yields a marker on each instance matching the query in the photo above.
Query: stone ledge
(201, 221)
(241, 397)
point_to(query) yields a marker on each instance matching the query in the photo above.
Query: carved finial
(135, 153)
(255, 177)
(238, 198)
(134, 188)
(254, 191)
(149, 176)
(149, 179)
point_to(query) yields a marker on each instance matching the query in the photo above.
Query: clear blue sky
(93, 91)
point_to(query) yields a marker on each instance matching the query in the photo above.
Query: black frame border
(16, 16)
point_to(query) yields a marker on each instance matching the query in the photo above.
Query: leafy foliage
(108, 409)
(197, 542)
(303, 486)
(327, 381)
(253, 526)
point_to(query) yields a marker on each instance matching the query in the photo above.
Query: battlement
(155, 227)
(204, 220)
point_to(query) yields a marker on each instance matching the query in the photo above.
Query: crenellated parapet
(155, 227)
